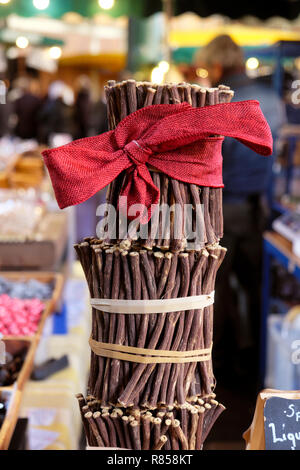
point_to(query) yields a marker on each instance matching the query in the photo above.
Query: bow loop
(137, 153)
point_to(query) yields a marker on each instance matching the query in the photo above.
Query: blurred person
(96, 118)
(5, 110)
(247, 177)
(83, 107)
(26, 104)
(99, 123)
(55, 116)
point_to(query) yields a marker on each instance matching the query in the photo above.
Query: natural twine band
(139, 307)
(148, 356)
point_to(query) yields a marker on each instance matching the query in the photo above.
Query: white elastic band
(194, 302)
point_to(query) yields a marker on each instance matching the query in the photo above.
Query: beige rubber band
(148, 356)
(138, 307)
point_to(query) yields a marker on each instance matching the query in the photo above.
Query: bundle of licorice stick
(154, 404)
(169, 428)
(139, 274)
(125, 98)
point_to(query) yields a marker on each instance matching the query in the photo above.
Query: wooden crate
(7, 429)
(44, 252)
(15, 390)
(11, 418)
(50, 304)
(13, 345)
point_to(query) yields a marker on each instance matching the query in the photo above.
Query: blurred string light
(106, 4)
(158, 73)
(22, 42)
(164, 66)
(252, 63)
(201, 73)
(55, 52)
(4, 2)
(41, 4)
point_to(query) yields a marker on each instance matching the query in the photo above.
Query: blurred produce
(19, 317)
(28, 289)
(10, 370)
(20, 213)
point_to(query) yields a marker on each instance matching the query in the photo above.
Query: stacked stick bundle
(125, 98)
(154, 405)
(169, 428)
(115, 273)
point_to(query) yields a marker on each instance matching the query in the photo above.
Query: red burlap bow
(174, 139)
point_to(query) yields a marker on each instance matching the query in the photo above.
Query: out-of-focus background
(55, 58)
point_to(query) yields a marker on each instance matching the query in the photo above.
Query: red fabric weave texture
(174, 139)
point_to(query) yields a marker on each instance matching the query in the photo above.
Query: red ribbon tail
(139, 195)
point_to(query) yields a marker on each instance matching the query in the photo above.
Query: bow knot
(137, 153)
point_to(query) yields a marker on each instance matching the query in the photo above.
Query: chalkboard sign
(282, 424)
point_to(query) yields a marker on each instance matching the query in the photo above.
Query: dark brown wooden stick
(156, 430)
(145, 420)
(149, 276)
(187, 93)
(89, 417)
(111, 429)
(201, 98)
(125, 421)
(160, 443)
(210, 418)
(123, 101)
(165, 426)
(82, 403)
(211, 237)
(149, 97)
(110, 384)
(116, 419)
(153, 235)
(145, 318)
(193, 429)
(102, 428)
(199, 440)
(131, 95)
(164, 185)
(178, 432)
(128, 296)
(134, 259)
(135, 435)
(174, 94)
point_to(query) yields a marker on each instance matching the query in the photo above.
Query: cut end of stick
(134, 423)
